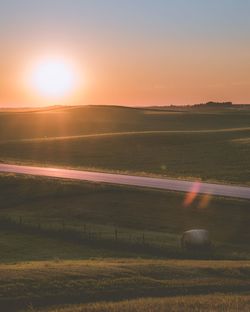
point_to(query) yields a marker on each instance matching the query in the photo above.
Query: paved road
(157, 183)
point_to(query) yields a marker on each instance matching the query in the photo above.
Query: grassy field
(66, 242)
(62, 282)
(68, 121)
(82, 273)
(216, 302)
(19, 247)
(104, 209)
(208, 145)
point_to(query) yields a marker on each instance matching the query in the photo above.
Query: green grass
(40, 268)
(17, 247)
(212, 146)
(161, 216)
(112, 273)
(200, 303)
(61, 282)
(203, 156)
(51, 122)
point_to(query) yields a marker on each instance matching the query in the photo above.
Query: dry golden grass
(64, 282)
(201, 303)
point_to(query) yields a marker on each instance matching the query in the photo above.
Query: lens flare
(192, 194)
(205, 200)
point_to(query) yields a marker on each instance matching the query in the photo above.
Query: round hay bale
(196, 239)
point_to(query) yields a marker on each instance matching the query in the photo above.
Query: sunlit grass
(193, 144)
(61, 282)
(196, 145)
(215, 302)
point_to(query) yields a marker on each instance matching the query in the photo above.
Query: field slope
(85, 281)
(210, 146)
(71, 246)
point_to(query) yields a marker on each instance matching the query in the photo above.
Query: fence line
(89, 230)
(117, 239)
(89, 233)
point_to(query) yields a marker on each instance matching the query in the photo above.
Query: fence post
(63, 225)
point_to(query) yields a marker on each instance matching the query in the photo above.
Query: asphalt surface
(147, 182)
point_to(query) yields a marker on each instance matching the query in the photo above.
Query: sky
(129, 52)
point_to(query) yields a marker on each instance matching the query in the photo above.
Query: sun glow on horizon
(53, 78)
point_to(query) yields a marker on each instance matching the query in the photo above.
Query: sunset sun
(53, 78)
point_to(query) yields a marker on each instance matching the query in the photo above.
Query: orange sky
(130, 57)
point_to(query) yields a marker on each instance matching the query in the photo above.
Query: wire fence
(94, 234)
(103, 236)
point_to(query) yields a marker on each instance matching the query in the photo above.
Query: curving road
(148, 182)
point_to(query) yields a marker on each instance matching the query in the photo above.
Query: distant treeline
(207, 105)
(215, 104)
